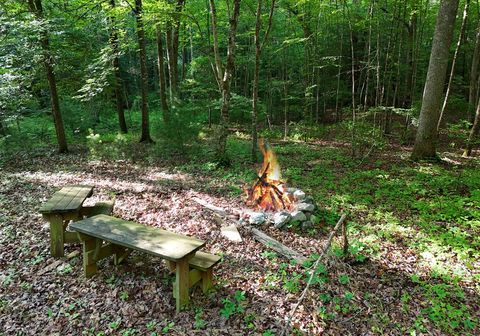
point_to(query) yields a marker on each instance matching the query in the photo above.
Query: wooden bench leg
(120, 254)
(56, 236)
(89, 266)
(181, 285)
(170, 265)
(207, 280)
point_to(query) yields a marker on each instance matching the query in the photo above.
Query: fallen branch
(327, 246)
(276, 245)
(210, 207)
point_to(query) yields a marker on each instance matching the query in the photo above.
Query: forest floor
(413, 266)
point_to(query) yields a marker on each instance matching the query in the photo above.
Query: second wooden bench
(103, 236)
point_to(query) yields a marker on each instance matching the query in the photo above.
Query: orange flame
(269, 191)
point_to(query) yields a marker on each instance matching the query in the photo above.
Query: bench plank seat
(69, 198)
(204, 261)
(105, 208)
(162, 243)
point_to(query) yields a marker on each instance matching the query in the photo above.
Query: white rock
(257, 218)
(299, 195)
(231, 233)
(305, 207)
(298, 216)
(281, 218)
(292, 190)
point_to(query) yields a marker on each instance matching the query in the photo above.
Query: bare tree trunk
(224, 75)
(256, 73)
(473, 133)
(145, 137)
(454, 61)
(369, 55)
(161, 75)
(255, 80)
(377, 70)
(472, 93)
(411, 56)
(173, 33)
(116, 70)
(426, 138)
(37, 9)
(352, 55)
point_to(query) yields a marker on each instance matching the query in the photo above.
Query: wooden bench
(100, 208)
(67, 205)
(104, 236)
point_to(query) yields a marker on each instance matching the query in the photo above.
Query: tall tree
(145, 137)
(173, 34)
(473, 133)
(426, 138)
(223, 75)
(36, 8)
(454, 62)
(116, 70)
(472, 92)
(161, 74)
(256, 73)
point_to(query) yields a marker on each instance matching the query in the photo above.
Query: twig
(327, 246)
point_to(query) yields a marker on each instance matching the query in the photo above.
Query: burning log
(269, 191)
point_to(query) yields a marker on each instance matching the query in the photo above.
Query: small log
(277, 246)
(210, 207)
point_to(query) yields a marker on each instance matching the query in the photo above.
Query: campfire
(269, 191)
(272, 200)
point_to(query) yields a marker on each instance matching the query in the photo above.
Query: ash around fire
(301, 212)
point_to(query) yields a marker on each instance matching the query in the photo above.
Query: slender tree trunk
(369, 55)
(472, 93)
(426, 138)
(338, 113)
(116, 69)
(224, 75)
(145, 137)
(173, 33)
(454, 62)
(161, 75)
(37, 9)
(411, 56)
(255, 80)
(256, 73)
(419, 37)
(473, 133)
(184, 61)
(172, 63)
(352, 55)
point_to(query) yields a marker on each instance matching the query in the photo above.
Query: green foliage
(168, 326)
(200, 323)
(113, 147)
(343, 279)
(233, 305)
(180, 133)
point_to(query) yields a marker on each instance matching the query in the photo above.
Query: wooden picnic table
(64, 206)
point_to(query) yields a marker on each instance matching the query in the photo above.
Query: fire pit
(273, 201)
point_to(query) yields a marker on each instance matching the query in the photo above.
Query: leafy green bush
(179, 133)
